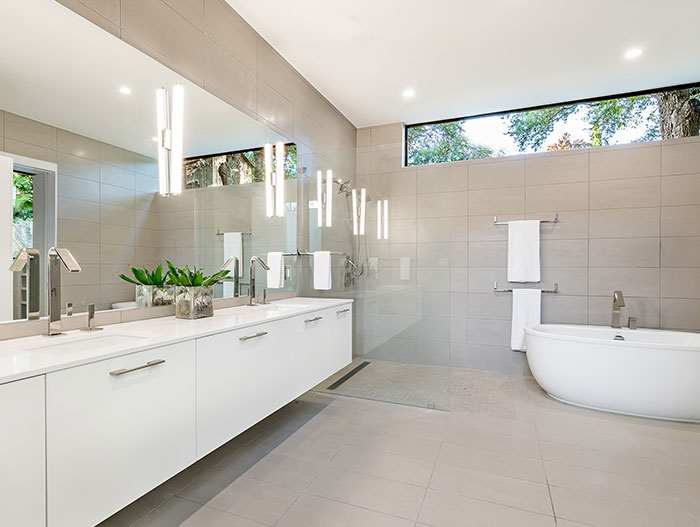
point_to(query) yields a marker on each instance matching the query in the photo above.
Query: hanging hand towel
(524, 251)
(322, 270)
(275, 276)
(526, 313)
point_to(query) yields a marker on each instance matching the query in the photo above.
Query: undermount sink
(90, 343)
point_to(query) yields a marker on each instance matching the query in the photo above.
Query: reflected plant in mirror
(153, 288)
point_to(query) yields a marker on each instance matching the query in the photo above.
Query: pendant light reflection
(170, 120)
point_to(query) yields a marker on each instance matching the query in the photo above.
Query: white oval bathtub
(652, 373)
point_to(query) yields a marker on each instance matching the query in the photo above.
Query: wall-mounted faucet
(58, 256)
(618, 302)
(251, 291)
(30, 258)
(235, 272)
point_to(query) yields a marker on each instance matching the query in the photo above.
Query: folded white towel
(322, 270)
(524, 251)
(275, 276)
(527, 306)
(405, 269)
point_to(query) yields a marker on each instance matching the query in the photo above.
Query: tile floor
(505, 456)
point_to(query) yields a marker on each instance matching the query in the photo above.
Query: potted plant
(153, 288)
(194, 292)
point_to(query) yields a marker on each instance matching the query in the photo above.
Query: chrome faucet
(251, 290)
(29, 258)
(235, 274)
(58, 256)
(618, 302)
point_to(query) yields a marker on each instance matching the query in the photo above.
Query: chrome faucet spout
(618, 302)
(251, 290)
(58, 256)
(236, 273)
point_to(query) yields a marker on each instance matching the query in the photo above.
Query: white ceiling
(58, 68)
(467, 57)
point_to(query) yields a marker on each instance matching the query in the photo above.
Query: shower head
(344, 186)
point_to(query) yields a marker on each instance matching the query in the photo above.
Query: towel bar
(555, 220)
(306, 253)
(496, 290)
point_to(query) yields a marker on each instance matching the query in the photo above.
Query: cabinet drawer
(116, 429)
(242, 377)
(340, 348)
(22, 454)
(310, 360)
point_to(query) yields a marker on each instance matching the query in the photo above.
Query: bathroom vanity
(94, 421)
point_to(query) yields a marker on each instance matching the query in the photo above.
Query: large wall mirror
(78, 167)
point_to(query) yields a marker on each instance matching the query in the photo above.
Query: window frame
(650, 91)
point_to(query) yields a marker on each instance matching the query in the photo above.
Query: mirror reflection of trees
(234, 168)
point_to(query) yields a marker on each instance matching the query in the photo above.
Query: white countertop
(31, 356)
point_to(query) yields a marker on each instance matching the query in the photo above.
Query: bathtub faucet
(618, 302)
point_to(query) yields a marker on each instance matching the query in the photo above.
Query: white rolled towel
(322, 270)
(275, 276)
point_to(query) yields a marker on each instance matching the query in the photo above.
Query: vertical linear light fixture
(177, 125)
(363, 209)
(354, 212)
(383, 219)
(162, 115)
(329, 198)
(269, 198)
(319, 197)
(386, 219)
(279, 179)
(170, 122)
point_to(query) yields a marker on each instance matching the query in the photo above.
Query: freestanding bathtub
(651, 373)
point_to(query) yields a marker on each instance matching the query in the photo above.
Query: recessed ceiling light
(125, 90)
(155, 139)
(633, 53)
(408, 93)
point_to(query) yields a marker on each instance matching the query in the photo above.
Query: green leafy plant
(187, 277)
(146, 277)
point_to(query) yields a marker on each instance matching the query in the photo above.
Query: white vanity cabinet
(242, 377)
(321, 345)
(22, 453)
(116, 429)
(340, 341)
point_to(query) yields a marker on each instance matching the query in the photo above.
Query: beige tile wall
(106, 207)
(630, 220)
(210, 44)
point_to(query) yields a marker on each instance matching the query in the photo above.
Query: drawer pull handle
(123, 371)
(261, 334)
(310, 320)
(343, 311)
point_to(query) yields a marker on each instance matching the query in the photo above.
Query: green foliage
(441, 143)
(146, 277)
(24, 197)
(187, 277)
(531, 129)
